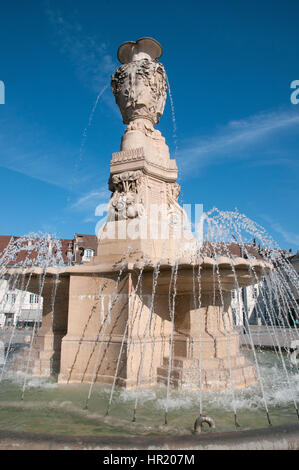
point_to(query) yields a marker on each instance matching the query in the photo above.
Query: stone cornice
(136, 159)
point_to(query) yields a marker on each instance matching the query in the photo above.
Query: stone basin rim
(281, 437)
(206, 262)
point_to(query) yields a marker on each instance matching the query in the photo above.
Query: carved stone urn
(139, 84)
(140, 91)
(144, 200)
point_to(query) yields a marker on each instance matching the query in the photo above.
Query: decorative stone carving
(176, 214)
(126, 201)
(128, 155)
(173, 192)
(174, 209)
(139, 85)
(145, 127)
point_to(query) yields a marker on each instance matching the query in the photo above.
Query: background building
(24, 309)
(19, 308)
(245, 302)
(294, 260)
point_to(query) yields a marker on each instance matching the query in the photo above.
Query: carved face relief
(140, 90)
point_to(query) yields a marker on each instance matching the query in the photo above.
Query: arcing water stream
(272, 400)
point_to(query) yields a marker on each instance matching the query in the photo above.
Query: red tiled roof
(67, 244)
(90, 241)
(4, 241)
(233, 249)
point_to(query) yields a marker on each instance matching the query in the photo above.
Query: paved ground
(264, 336)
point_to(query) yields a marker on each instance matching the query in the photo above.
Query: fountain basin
(53, 414)
(102, 326)
(277, 438)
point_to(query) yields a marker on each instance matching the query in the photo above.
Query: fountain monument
(151, 307)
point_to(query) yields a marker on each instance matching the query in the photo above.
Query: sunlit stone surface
(146, 310)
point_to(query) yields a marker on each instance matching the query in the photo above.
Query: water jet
(153, 309)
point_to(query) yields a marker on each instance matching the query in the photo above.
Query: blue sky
(230, 65)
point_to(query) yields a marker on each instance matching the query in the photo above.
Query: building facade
(245, 305)
(22, 308)
(19, 308)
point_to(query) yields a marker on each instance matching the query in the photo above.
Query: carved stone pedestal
(143, 212)
(112, 330)
(46, 348)
(206, 349)
(54, 326)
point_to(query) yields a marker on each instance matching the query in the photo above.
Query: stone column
(148, 334)
(112, 330)
(47, 344)
(97, 315)
(206, 346)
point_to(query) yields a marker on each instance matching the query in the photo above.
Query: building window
(33, 299)
(233, 294)
(9, 318)
(11, 298)
(234, 312)
(254, 293)
(88, 254)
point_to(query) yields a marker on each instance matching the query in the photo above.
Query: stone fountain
(147, 309)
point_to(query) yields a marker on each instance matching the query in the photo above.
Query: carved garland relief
(126, 201)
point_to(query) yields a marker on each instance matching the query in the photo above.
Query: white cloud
(94, 204)
(235, 138)
(288, 236)
(89, 55)
(91, 200)
(30, 151)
